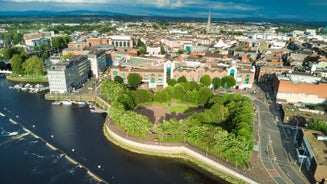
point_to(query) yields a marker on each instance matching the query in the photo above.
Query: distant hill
(53, 13)
(74, 14)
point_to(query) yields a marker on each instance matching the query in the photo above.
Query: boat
(56, 103)
(66, 103)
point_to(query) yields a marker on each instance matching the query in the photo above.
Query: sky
(306, 10)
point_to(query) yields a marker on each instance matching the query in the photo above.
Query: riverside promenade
(181, 150)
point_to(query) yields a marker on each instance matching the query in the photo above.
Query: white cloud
(61, 1)
(163, 3)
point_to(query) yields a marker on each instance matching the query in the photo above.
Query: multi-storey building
(28, 38)
(156, 72)
(122, 41)
(68, 75)
(312, 153)
(300, 88)
(98, 62)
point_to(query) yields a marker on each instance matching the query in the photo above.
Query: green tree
(181, 79)
(205, 80)
(66, 56)
(34, 66)
(162, 96)
(193, 85)
(118, 79)
(162, 49)
(178, 92)
(318, 125)
(134, 80)
(9, 52)
(204, 95)
(180, 51)
(142, 96)
(228, 81)
(216, 82)
(17, 38)
(16, 65)
(171, 82)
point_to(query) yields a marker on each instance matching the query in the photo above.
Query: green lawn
(181, 109)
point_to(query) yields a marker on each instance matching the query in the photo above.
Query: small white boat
(66, 103)
(56, 103)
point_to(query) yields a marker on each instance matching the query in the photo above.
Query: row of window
(121, 44)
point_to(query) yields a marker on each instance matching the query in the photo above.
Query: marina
(37, 88)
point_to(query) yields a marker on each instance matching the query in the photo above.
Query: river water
(76, 133)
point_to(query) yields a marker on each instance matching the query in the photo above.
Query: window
(146, 76)
(191, 77)
(152, 78)
(160, 78)
(232, 72)
(124, 44)
(115, 73)
(247, 79)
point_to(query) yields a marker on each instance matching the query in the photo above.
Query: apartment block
(66, 76)
(98, 62)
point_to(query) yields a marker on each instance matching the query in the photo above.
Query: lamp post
(296, 128)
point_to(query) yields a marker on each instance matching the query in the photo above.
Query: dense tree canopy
(217, 82)
(224, 126)
(205, 80)
(134, 80)
(228, 81)
(34, 66)
(118, 79)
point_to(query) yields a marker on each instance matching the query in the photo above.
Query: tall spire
(209, 21)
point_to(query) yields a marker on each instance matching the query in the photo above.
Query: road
(276, 144)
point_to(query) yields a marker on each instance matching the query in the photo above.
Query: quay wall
(174, 150)
(180, 150)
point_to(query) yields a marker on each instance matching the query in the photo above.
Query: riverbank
(179, 150)
(43, 79)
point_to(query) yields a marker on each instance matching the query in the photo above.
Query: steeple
(209, 21)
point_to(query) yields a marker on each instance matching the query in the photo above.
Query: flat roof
(319, 147)
(299, 78)
(145, 63)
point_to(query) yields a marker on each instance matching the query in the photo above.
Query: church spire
(209, 21)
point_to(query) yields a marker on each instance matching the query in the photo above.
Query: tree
(317, 124)
(34, 66)
(205, 80)
(178, 92)
(66, 56)
(171, 82)
(141, 96)
(162, 96)
(216, 83)
(181, 79)
(204, 95)
(162, 49)
(180, 51)
(118, 79)
(16, 65)
(9, 52)
(228, 81)
(193, 85)
(134, 80)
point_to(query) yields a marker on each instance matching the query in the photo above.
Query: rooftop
(299, 78)
(319, 147)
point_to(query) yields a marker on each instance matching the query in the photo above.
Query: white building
(68, 75)
(98, 62)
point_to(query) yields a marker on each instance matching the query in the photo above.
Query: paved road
(276, 145)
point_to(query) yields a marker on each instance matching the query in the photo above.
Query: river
(76, 133)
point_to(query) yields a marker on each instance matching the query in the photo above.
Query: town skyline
(278, 9)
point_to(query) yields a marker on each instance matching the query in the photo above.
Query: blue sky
(308, 10)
